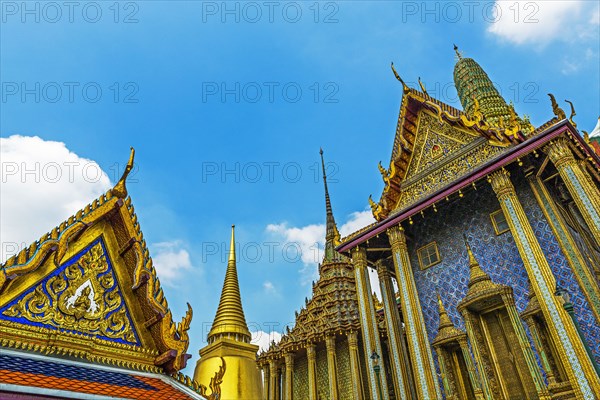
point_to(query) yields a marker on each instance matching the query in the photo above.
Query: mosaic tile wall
(322, 374)
(344, 373)
(497, 255)
(300, 379)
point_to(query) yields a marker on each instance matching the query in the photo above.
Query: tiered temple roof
(333, 307)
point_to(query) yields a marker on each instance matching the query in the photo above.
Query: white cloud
(270, 289)
(43, 183)
(308, 242)
(540, 22)
(357, 220)
(263, 339)
(170, 261)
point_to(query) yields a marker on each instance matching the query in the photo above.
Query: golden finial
(404, 86)
(472, 259)
(477, 274)
(560, 114)
(573, 113)
(458, 53)
(120, 190)
(444, 318)
(232, 246)
(423, 87)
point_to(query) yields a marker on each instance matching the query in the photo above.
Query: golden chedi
(229, 343)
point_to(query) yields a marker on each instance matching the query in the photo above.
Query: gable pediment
(442, 153)
(81, 296)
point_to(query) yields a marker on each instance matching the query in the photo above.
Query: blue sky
(227, 109)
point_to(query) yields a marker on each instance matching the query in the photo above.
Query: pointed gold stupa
(229, 343)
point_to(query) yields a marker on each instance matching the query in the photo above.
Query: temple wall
(322, 374)
(344, 373)
(497, 255)
(300, 380)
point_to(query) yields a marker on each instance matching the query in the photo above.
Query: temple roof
(88, 289)
(333, 307)
(230, 317)
(439, 150)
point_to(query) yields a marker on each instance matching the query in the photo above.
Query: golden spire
(230, 320)
(332, 236)
(477, 274)
(471, 82)
(446, 329)
(444, 318)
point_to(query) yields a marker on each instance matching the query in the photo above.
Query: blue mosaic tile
(497, 255)
(49, 368)
(565, 277)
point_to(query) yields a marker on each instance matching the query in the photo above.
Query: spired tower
(229, 339)
(472, 82)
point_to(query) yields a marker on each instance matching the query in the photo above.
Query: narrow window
(499, 222)
(428, 255)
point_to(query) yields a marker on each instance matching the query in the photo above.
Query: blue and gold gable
(81, 296)
(88, 290)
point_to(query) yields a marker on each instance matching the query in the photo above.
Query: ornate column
(402, 383)
(273, 384)
(580, 370)
(370, 331)
(579, 183)
(331, 367)
(475, 336)
(572, 253)
(289, 376)
(447, 381)
(418, 343)
(355, 365)
(541, 349)
(266, 380)
(532, 364)
(464, 347)
(311, 355)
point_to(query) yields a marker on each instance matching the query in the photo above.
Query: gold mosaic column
(572, 253)
(418, 343)
(580, 370)
(394, 329)
(311, 355)
(464, 347)
(289, 376)
(331, 367)
(519, 331)
(370, 331)
(273, 384)
(266, 380)
(355, 365)
(578, 182)
(483, 378)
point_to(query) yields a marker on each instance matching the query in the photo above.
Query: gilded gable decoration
(81, 296)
